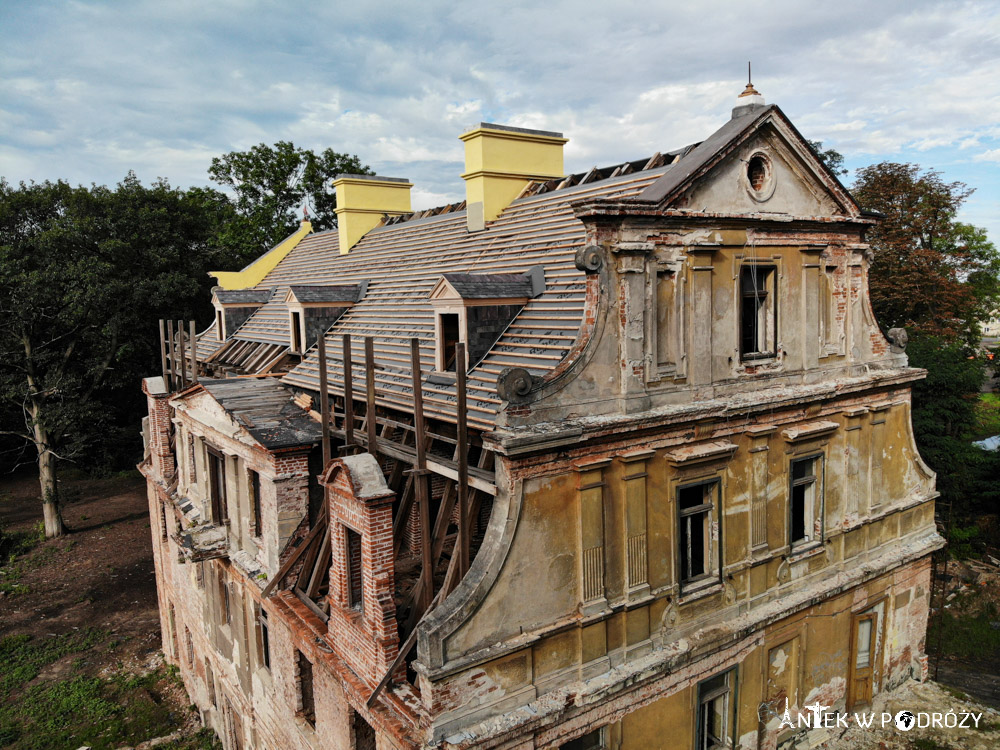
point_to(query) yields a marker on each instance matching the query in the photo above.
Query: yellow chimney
(362, 201)
(499, 161)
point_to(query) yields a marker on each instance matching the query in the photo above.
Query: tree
(271, 184)
(833, 159)
(930, 273)
(84, 276)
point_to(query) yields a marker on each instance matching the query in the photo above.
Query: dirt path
(78, 616)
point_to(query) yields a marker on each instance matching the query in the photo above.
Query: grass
(79, 708)
(987, 416)
(968, 636)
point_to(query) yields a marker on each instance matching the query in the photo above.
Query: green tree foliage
(271, 184)
(938, 278)
(930, 273)
(84, 276)
(833, 159)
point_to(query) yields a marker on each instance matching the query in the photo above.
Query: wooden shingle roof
(403, 261)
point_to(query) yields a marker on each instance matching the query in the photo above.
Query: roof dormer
(475, 309)
(234, 306)
(313, 309)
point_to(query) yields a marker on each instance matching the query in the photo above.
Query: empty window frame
(593, 740)
(253, 487)
(217, 486)
(305, 684)
(189, 642)
(220, 325)
(296, 326)
(805, 501)
(354, 589)
(225, 613)
(696, 506)
(449, 330)
(758, 312)
(716, 712)
(265, 638)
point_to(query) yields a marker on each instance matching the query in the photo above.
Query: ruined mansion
(618, 459)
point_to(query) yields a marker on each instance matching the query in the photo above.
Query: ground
(80, 661)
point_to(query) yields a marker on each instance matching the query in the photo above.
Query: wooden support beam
(293, 558)
(194, 353)
(181, 354)
(348, 395)
(324, 399)
(421, 484)
(163, 353)
(371, 420)
(172, 381)
(462, 543)
(402, 514)
(321, 566)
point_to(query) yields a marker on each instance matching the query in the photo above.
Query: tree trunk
(50, 495)
(47, 481)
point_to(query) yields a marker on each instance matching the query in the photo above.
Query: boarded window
(758, 312)
(666, 340)
(354, 593)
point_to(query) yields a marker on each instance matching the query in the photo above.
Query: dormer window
(234, 306)
(313, 309)
(475, 309)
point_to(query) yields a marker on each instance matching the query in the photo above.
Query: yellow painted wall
(361, 204)
(254, 273)
(499, 163)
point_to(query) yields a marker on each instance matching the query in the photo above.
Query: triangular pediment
(755, 164)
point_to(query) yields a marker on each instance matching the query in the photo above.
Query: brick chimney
(499, 161)
(362, 201)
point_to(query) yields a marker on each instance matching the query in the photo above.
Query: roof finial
(749, 90)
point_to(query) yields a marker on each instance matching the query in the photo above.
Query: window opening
(757, 172)
(255, 502)
(354, 597)
(716, 712)
(757, 312)
(306, 689)
(590, 741)
(804, 496)
(296, 332)
(695, 504)
(265, 639)
(449, 338)
(217, 487)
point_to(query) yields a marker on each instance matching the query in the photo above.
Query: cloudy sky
(89, 90)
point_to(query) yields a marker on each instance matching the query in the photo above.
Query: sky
(91, 90)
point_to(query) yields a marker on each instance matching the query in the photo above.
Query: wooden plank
(371, 418)
(348, 392)
(320, 567)
(293, 558)
(462, 543)
(324, 400)
(422, 495)
(163, 353)
(170, 357)
(182, 355)
(194, 353)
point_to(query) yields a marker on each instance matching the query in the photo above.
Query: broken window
(308, 706)
(806, 501)
(696, 504)
(758, 312)
(265, 639)
(253, 486)
(590, 741)
(363, 733)
(716, 712)
(225, 614)
(354, 593)
(217, 487)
